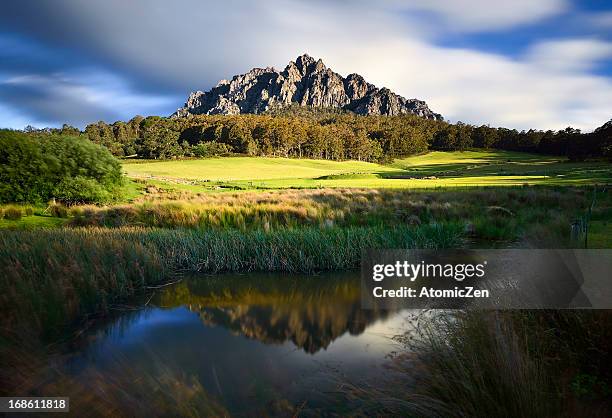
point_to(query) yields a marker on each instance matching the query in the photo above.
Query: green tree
(37, 168)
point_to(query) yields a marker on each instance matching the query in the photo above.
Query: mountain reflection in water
(246, 345)
(310, 312)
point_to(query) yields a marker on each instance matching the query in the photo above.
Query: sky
(543, 64)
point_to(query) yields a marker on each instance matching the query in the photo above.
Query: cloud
(486, 15)
(569, 54)
(600, 20)
(478, 88)
(155, 50)
(73, 99)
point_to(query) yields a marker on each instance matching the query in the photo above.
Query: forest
(327, 134)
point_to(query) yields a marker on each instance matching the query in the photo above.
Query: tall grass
(477, 365)
(12, 213)
(491, 214)
(540, 214)
(52, 276)
(498, 364)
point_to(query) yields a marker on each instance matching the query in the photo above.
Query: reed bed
(52, 276)
(67, 272)
(469, 364)
(518, 363)
(531, 363)
(491, 214)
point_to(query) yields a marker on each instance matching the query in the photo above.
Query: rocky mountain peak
(305, 81)
(304, 62)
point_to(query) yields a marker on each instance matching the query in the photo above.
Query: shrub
(79, 190)
(59, 211)
(29, 211)
(211, 149)
(13, 213)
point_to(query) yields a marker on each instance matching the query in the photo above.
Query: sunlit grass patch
(431, 170)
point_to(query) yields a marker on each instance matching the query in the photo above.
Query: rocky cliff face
(307, 82)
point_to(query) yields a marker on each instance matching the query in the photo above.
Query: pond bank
(53, 277)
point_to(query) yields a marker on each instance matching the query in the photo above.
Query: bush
(29, 211)
(36, 169)
(13, 213)
(211, 149)
(59, 211)
(79, 190)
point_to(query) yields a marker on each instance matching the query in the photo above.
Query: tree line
(302, 133)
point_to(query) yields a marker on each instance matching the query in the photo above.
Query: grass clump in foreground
(12, 213)
(511, 364)
(481, 364)
(52, 277)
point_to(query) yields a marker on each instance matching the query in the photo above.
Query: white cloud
(569, 54)
(479, 15)
(483, 88)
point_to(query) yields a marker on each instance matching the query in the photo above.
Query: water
(245, 344)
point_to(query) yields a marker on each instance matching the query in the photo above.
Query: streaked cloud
(600, 20)
(74, 99)
(119, 58)
(484, 15)
(569, 54)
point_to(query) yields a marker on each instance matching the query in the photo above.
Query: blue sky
(524, 64)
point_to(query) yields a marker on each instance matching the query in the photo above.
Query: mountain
(307, 82)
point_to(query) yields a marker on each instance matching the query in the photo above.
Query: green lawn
(32, 222)
(435, 169)
(247, 168)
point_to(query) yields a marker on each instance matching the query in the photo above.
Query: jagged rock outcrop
(307, 82)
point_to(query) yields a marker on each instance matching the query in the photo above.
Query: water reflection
(310, 312)
(244, 344)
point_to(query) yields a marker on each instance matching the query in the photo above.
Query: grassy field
(435, 169)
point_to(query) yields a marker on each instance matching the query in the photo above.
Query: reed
(51, 277)
(12, 213)
(493, 214)
(477, 364)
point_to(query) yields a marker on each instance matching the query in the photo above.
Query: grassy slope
(470, 168)
(247, 168)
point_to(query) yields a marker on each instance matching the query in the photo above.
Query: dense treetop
(329, 134)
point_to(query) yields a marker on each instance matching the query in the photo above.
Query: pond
(242, 344)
